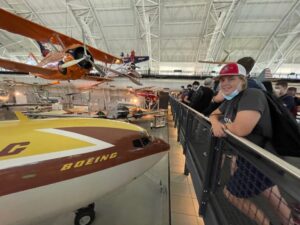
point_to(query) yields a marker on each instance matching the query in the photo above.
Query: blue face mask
(232, 95)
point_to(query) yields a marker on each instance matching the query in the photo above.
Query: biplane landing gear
(85, 216)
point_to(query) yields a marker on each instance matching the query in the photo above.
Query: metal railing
(231, 175)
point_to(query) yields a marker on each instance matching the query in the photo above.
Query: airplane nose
(160, 145)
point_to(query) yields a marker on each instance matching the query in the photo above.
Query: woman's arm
(217, 126)
(244, 122)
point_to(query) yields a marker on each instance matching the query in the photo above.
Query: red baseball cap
(232, 69)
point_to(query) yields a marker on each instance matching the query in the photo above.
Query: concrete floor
(184, 203)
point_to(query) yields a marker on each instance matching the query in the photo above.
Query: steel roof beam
(184, 5)
(266, 1)
(149, 16)
(220, 30)
(37, 16)
(208, 8)
(284, 49)
(258, 20)
(81, 25)
(98, 23)
(285, 18)
(183, 22)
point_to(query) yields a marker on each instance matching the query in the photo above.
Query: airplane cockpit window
(7, 114)
(137, 143)
(144, 141)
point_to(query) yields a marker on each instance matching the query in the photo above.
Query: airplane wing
(18, 25)
(22, 67)
(137, 59)
(96, 78)
(14, 83)
(132, 78)
(90, 87)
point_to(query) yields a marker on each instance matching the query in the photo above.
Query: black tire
(91, 206)
(84, 217)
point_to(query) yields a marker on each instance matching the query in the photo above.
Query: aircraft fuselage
(53, 166)
(55, 59)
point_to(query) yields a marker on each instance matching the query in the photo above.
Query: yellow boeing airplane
(52, 166)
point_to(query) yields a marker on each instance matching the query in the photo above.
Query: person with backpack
(248, 63)
(246, 113)
(192, 93)
(288, 101)
(291, 91)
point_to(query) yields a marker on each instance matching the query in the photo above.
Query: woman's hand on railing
(218, 129)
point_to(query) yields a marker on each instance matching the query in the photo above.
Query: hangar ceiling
(174, 33)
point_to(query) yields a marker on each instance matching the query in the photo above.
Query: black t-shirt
(288, 101)
(201, 98)
(254, 100)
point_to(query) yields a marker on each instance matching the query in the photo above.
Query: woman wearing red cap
(246, 113)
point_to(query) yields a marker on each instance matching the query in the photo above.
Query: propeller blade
(71, 63)
(97, 67)
(135, 81)
(135, 73)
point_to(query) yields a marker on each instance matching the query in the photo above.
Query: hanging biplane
(52, 166)
(133, 58)
(72, 59)
(149, 93)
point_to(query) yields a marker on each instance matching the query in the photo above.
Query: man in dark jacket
(201, 98)
(281, 91)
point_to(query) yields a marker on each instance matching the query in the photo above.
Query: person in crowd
(247, 63)
(191, 93)
(288, 101)
(179, 95)
(245, 113)
(186, 94)
(292, 91)
(201, 97)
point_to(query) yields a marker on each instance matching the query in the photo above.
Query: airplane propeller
(86, 57)
(71, 63)
(98, 68)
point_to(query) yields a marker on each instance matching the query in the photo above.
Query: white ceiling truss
(283, 40)
(148, 13)
(171, 32)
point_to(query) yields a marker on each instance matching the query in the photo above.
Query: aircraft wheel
(91, 206)
(84, 216)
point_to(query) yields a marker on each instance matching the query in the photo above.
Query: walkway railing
(218, 164)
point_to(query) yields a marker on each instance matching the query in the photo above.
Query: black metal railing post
(211, 171)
